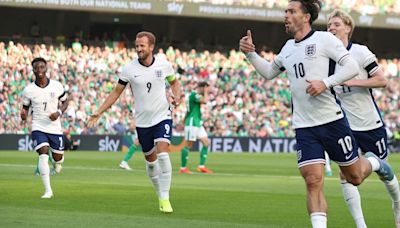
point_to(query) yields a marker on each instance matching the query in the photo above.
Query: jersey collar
(349, 46)
(37, 84)
(306, 37)
(154, 59)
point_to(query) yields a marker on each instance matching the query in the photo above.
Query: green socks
(184, 156)
(130, 153)
(203, 155)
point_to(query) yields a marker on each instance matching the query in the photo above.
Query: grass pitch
(246, 190)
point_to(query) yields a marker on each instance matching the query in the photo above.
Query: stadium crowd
(361, 6)
(241, 103)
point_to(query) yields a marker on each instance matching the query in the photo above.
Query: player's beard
(143, 55)
(290, 30)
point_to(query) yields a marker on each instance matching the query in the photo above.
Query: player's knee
(189, 144)
(354, 179)
(57, 157)
(313, 180)
(353, 176)
(205, 141)
(43, 150)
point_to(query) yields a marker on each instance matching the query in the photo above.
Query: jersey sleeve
(63, 93)
(26, 100)
(369, 61)
(123, 76)
(334, 48)
(169, 70)
(277, 63)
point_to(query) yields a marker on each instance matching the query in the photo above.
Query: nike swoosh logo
(167, 136)
(288, 56)
(348, 156)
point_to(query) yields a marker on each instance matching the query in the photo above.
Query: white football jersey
(148, 84)
(357, 102)
(44, 101)
(308, 59)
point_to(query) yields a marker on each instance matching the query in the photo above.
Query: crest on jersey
(299, 155)
(52, 94)
(310, 50)
(158, 73)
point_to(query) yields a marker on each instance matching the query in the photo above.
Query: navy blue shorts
(336, 138)
(150, 135)
(41, 139)
(374, 141)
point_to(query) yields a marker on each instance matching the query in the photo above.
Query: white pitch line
(214, 174)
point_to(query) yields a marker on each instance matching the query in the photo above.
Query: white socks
(393, 189)
(374, 163)
(353, 201)
(318, 220)
(160, 172)
(165, 174)
(44, 171)
(153, 171)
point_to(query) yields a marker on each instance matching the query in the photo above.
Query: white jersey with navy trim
(357, 102)
(148, 84)
(44, 101)
(309, 60)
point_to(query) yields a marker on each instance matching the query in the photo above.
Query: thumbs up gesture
(246, 43)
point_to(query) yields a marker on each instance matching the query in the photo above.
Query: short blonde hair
(346, 18)
(150, 36)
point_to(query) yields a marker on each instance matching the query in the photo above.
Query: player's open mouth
(287, 24)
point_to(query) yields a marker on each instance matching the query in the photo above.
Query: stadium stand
(241, 103)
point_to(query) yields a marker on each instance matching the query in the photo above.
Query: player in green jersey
(194, 128)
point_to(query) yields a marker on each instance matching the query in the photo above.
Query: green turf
(247, 190)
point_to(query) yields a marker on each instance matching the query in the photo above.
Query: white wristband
(59, 111)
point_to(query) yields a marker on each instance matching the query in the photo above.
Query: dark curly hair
(311, 7)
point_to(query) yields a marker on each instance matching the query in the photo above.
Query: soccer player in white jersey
(147, 76)
(362, 112)
(44, 96)
(318, 120)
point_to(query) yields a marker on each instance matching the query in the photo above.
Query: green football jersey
(193, 114)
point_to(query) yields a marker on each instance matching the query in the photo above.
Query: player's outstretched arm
(377, 80)
(110, 100)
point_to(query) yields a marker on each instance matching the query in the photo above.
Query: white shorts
(193, 133)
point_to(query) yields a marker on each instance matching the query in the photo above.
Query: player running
(362, 112)
(44, 96)
(148, 76)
